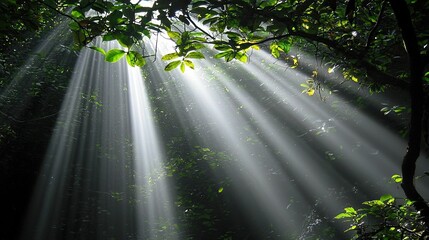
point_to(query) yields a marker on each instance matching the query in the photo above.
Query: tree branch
(403, 18)
(198, 27)
(372, 71)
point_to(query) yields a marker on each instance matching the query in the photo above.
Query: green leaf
(386, 197)
(350, 210)
(230, 56)
(343, 215)
(114, 55)
(275, 52)
(284, 45)
(242, 57)
(233, 35)
(268, 3)
(77, 13)
(189, 64)
(173, 35)
(196, 55)
(74, 26)
(222, 47)
(351, 228)
(220, 190)
(108, 37)
(98, 49)
(170, 56)
(135, 59)
(222, 54)
(397, 178)
(172, 65)
(182, 67)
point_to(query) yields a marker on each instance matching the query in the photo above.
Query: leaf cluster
(360, 35)
(384, 218)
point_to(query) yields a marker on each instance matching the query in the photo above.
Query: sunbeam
(95, 179)
(262, 119)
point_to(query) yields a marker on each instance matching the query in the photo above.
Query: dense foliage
(385, 218)
(359, 38)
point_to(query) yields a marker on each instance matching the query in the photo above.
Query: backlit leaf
(386, 197)
(114, 55)
(189, 63)
(98, 49)
(170, 56)
(241, 57)
(173, 35)
(135, 59)
(223, 54)
(397, 178)
(256, 47)
(77, 13)
(196, 55)
(343, 215)
(172, 65)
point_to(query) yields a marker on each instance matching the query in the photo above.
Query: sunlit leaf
(275, 52)
(76, 13)
(182, 67)
(114, 55)
(189, 63)
(350, 210)
(220, 190)
(173, 35)
(343, 215)
(351, 228)
(256, 47)
(98, 49)
(172, 65)
(386, 198)
(310, 91)
(135, 59)
(295, 62)
(170, 56)
(196, 55)
(223, 54)
(397, 178)
(241, 57)
(330, 70)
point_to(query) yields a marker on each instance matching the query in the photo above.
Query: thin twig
(24, 121)
(377, 23)
(196, 26)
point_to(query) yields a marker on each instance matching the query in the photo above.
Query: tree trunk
(409, 37)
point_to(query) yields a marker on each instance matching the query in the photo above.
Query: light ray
(148, 157)
(102, 153)
(327, 148)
